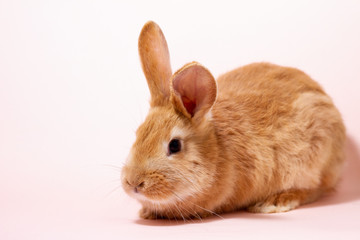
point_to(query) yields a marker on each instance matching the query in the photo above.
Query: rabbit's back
(283, 83)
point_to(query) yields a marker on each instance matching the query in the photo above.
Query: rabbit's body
(265, 138)
(284, 135)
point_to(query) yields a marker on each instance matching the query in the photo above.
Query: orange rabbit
(262, 137)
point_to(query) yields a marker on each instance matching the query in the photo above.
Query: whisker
(156, 214)
(187, 179)
(195, 213)
(207, 210)
(105, 185)
(168, 206)
(110, 181)
(185, 209)
(112, 191)
(195, 190)
(212, 212)
(112, 166)
(180, 213)
(191, 182)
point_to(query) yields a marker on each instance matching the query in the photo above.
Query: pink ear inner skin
(189, 105)
(195, 86)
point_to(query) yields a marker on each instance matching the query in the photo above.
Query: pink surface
(72, 93)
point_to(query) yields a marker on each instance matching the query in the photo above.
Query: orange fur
(266, 138)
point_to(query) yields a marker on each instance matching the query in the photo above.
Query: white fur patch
(177, 132)
(265, 208)
(129, 158)
(208, 116)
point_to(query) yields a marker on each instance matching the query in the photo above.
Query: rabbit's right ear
(155, 62)
(194, 91)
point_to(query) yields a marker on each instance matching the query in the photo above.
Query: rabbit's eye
(174, 146)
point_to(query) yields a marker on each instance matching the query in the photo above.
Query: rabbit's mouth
(157, 187)
(155, 193)
(158, 194)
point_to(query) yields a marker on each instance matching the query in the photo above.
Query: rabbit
(262, 138)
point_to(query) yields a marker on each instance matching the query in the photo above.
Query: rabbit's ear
(193, 90)
(155, 62)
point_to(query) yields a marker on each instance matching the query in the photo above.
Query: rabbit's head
(175, 148)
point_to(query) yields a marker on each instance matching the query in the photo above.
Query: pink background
(72, 93)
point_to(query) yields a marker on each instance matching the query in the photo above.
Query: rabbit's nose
(136, 185)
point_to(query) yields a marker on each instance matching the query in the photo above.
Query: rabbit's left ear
(155, 62)
(193, 90)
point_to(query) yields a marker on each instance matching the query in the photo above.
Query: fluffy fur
(262, 137)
